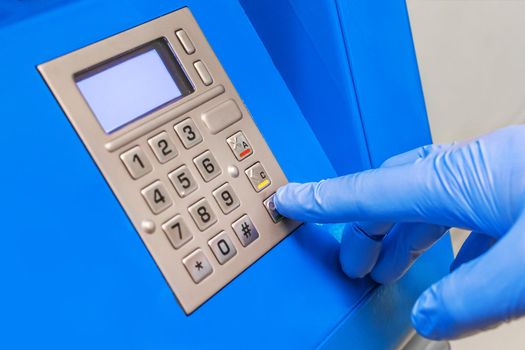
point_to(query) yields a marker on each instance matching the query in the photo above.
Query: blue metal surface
(378, 42)
(305, 41)
(75, 273)
(352, 69)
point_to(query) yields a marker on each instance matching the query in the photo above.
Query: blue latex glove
(478, 185)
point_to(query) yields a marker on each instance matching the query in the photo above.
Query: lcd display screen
(133, 85)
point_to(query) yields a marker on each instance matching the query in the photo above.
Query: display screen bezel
(170, 61)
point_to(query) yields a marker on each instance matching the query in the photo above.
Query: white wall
(471, 57)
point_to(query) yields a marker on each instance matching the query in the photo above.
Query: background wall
(471, 57)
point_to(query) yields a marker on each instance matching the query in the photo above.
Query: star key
(197, 265)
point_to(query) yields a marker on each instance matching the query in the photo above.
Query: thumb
(479, 294)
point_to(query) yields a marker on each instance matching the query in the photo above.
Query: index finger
(414, 192)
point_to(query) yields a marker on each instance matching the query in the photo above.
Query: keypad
(157, 197)
(179, 230)
(186, 179)
(222, 247)
(163, 147)
(195, 175)
(183, 181)
(207, 166)
(188, 133)
(202, 214)
(136, 162)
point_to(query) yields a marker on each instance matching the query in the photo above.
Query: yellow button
(258, 177)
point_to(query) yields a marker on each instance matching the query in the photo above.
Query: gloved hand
(478, 185)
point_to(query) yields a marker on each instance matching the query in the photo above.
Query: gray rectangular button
(270, 208)
(185, 41)
(222, 247)
(245, 230)
(198, 265)
(177, 232)
(163, 147)
(226, 198)
(221, 116)
(258, 177)
(203, 72)
(207, 166)
(202, 214)
(188, 133)
(136, 162)
(183, 181)
(157, 197)
(239, 145)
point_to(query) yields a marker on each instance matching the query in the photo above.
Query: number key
(136, 162)
(202, 214)
(188, 133)
(177, 232)
(222, 247)
(207, 166)
(163, 147)
(226, 198)
(157, 197)
(183, 181)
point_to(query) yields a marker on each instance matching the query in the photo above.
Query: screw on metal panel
(148, 226)
(233, 171)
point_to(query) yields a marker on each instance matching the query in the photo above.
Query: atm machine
(143, 141)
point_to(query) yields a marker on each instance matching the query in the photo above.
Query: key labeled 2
(163, 147)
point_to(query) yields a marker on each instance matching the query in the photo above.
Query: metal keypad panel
(195, 177)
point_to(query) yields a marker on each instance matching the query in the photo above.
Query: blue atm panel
(76, 273)
(351, 64)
